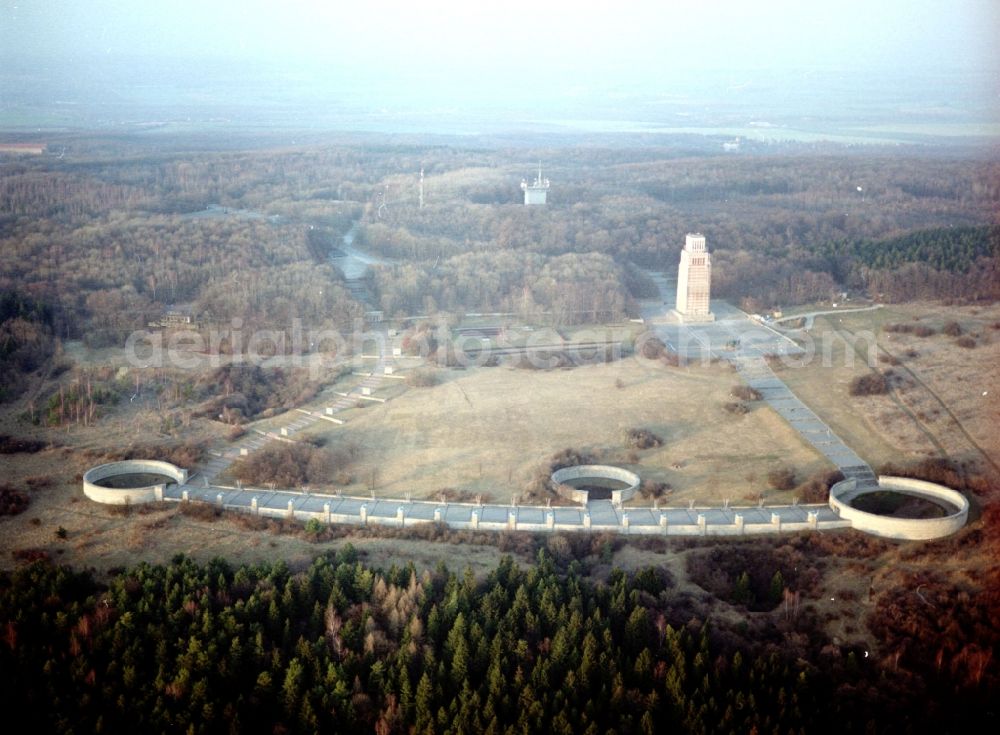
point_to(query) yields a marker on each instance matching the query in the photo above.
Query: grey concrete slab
(495, 513)
(526, 514)
(458, 514)
(569, 515)
(423, 511)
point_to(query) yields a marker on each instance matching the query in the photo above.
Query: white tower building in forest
(535, 193)
(694, 281)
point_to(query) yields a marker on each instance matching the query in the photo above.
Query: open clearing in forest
(486, 430)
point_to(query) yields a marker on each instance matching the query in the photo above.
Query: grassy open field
(486, 431)
(945, 398)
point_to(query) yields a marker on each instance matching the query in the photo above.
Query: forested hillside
(26, 339)
(345, 648)
(115, 232)
(784, 229)
(944, 262)
(566, 289)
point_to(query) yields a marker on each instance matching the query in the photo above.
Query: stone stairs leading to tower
(759, 375)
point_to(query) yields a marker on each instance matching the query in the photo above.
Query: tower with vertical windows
(694, 281)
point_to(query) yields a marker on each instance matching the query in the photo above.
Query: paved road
(352, 262)
(758, 374)
(810, 317)
(753, 343)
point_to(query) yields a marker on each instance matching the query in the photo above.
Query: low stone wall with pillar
(131, 495)
(633, 521)
(915, 529)
(560, 478)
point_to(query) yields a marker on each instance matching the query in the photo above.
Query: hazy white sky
(510, 36)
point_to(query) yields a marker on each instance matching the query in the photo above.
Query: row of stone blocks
(737, 527)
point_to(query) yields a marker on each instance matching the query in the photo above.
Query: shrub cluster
(200, 510)
(642, 439)
(754, 574)
(241, 392)
(957, 474)
(183, 454)
(294, 465)
(539, 488)
(919, 330)
(422, 379)
(816, 489)
(952, 329)
(745, 393)
(12, 501)
(781, 478)
(870, 384)
(652, 490)
(13, 445)
(652, 348)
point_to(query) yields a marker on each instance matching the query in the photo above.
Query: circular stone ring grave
(131, 481)
(955, 508)
(595, 482)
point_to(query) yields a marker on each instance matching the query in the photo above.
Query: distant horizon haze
(641, 61)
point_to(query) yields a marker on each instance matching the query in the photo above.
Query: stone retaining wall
(913, 529)
(513, 521)
(131, 495)
(669, 522)
(607, 472)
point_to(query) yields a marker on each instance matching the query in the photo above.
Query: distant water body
(902, 133)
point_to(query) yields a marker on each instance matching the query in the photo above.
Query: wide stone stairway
(758, 375)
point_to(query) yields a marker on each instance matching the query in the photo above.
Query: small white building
(694, 281)
(535, 192)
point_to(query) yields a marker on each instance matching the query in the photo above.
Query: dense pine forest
(341, 647)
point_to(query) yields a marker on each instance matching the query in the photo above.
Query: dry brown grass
(484, 431)
(101, 538)
(967, 384)
(911, 421)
